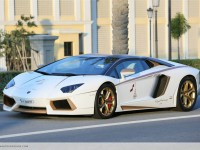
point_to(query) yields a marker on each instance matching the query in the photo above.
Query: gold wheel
(106, 101)
(187, 94)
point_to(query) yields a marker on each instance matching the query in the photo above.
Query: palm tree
(179, 26)
(120, 26)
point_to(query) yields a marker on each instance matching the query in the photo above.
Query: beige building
(85, 26)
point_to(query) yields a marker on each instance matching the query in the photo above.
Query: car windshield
(78, 65)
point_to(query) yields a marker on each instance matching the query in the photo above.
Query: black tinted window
(136, 65)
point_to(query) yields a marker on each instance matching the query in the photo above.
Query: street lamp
(150, 15)
(156, 4)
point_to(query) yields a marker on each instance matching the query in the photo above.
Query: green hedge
(5, 77)
(190, 62)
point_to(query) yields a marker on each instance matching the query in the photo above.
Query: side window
(136, 65)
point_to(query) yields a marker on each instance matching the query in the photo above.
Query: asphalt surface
(164, 125)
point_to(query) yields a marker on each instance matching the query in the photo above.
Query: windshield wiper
(44, 73)
(64, 74)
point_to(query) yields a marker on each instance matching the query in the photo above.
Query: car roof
(122, 56)
(126, 56)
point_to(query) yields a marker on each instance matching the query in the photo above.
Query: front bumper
(82, 104)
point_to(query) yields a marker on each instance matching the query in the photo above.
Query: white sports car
(101, 85)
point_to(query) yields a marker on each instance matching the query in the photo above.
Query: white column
(77, 10)
(2, 59)
(87, 8)
(131, 27)
(185, 36)
(11, 10)
(34, 9)
(2, 10)
(56, 10)
(87, 37)
(94, 27)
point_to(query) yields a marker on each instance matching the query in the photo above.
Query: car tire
(105, 102)
(187, 94)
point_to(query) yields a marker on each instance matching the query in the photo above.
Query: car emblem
(28, 92)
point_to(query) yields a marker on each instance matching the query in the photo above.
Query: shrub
(5, 77)
(190, 62)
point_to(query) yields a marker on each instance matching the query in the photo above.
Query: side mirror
(126, 72)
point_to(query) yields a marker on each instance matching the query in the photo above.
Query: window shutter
(45, 8)
(67, 7)
(22, 7)
(103, 7)
(104, 46)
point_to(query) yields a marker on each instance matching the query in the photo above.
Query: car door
(135, 91)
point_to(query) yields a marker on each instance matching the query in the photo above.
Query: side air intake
(161, 86)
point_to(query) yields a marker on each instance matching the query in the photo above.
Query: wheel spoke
(107, 109)
(186, 86)
(107, 94)
(190, 91)
(184, 101)
(102, 108)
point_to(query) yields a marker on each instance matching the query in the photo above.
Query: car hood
(34, 79)
(33, 84)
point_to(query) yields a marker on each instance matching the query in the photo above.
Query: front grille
(8, 101)
(32, 110)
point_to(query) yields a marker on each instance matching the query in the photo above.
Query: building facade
(85, 26)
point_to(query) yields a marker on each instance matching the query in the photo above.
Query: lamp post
(150, 15)
(155, 4)
(169, 29)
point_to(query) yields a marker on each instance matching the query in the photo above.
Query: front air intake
(62, 105)
(8, 101)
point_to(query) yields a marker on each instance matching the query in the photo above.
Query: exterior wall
(141, 28)
(68, 19)
(162, 33)
(104, 26)
(193, 34)
(189, 43)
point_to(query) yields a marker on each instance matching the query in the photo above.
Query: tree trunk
(25, 53)
(20, 57)
(120, 26)
(178, 50)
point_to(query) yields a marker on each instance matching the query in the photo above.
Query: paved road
(143, 126)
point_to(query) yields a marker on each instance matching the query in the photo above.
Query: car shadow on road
(19, 115)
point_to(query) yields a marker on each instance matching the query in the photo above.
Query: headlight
(70, 88)
(10, 84)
